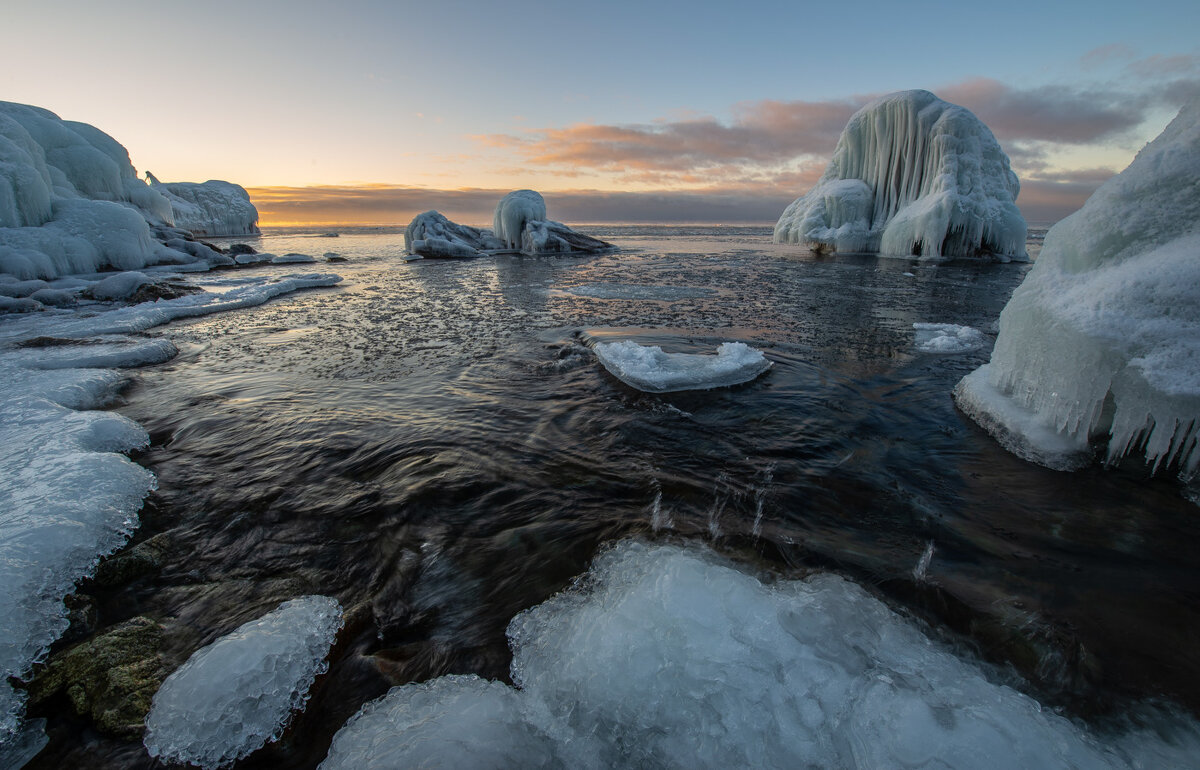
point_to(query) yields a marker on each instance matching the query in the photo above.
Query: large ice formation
(211, 208)
(912, 175)
(514, 211)
(648, 368)
(71, 202)
(1102, 340)
(520, 225)
(432, 235)
(237, 694)
(669, 657)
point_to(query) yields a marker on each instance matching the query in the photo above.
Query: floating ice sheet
(237, 694)
(947, 338)
(669, 657)
(648, 368)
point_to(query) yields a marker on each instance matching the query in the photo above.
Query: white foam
(237, 694)
(648, 368)
(669, 657)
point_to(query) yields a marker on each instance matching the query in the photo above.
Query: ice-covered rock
(119, 286)
(545, 237)
(432, 235)
(670, 657)
(947, 338)
(912, 175)
(1102, 339)
(212, 208)
(237, 694)
(648, 368)
(293, 259)
(513, 212)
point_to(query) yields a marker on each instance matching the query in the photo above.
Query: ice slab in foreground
(947, 338)
(912, 175)
(211, 208)
(648, 368)
(1102, 339)
(237, 694)
(670, 657)
(68, 494)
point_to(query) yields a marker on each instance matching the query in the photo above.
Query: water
(434, 444)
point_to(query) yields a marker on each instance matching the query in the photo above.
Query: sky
(370, 112)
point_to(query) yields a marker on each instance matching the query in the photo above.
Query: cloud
(1106, 53)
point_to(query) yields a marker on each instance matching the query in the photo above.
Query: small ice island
(1101, 343)
(649, 369)
(520, 225)
(912, 175)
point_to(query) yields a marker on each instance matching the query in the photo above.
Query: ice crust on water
(669, 657)
(68, 495)
(648, 368)
(211, 208)
(637, 291)
(66, 498)
(1102, 339)
(237, 694)
(912, 174)
(947, 338)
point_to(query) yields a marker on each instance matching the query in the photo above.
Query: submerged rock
(110, 678)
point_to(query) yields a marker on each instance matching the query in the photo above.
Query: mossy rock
(111, 678)
(145, 558)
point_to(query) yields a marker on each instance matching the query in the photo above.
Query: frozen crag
(513, 212)
(648, 368)
(237, 694)
(1102, 340)
(670, 657)
(433, 235)
(209, 209)
(947, 338)
(520, 225)
(912, 175)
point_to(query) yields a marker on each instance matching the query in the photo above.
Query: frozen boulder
(212, 208)
(432, 235)
(119, 286)
(912, 175)
(546, 237)
(513, 212)
(648, 368)
(1102, 340)
(237, 694)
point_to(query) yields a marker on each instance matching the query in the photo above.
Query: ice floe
(648, 368)
(947, 338)
(237, 694)
(1102, 339)
(670, 657)
(912, 175)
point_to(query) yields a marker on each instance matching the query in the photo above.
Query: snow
(237, 694)
(513, 212)
(912, 174)
(430, 234)
(648, 368)
(947, 338)
(212, 208)
(1102, 339)
(666, 656)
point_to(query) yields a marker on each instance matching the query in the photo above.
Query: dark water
(434, 444)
